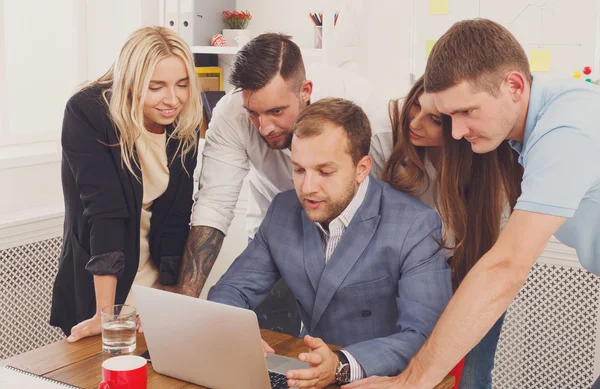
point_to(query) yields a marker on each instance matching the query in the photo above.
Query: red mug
(124, 372)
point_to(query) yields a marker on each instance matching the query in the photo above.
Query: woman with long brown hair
(473, 193)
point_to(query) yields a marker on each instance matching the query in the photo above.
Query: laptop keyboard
(278, 381)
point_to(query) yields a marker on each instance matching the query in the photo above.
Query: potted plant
(236, 34)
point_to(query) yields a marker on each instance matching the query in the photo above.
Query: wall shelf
(214, 50)
(228, 50)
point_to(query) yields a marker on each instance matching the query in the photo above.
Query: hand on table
(323, 363)
(89, 327)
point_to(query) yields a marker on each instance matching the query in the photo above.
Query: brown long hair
(405, 168)
(475, 188)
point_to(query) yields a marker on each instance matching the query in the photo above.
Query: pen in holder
(318, 37)
(317, 19)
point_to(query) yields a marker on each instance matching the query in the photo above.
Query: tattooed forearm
(201, 251)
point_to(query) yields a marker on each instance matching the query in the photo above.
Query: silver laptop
(207, 343)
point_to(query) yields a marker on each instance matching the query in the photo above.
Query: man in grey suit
(361, 258)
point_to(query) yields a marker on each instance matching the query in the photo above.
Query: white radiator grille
(549, 335)
(26, 278)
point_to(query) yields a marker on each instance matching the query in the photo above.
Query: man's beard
(284, 143)
(332, 208)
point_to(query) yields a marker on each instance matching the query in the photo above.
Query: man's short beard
(287, 142)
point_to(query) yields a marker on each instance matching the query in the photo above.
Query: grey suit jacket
(381, 292)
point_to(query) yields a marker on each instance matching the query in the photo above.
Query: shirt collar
(536, 103)
(347, 214)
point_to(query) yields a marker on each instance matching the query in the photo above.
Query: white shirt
(330, 239)
(234, 148)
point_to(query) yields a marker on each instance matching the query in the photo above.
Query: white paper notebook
(13, 378)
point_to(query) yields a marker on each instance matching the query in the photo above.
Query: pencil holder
(318, 37)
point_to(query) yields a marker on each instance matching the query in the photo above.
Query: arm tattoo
(201, 250)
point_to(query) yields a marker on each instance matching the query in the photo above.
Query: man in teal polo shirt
(479, 76)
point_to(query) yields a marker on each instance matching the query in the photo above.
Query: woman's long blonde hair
(125, 84)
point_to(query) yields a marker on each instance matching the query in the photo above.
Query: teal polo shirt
(561, 158)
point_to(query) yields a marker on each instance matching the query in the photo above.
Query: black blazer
(103, 203)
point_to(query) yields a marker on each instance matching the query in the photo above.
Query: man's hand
(201, 250)
(376, 382)
(267, 349)
(323, 363)
(89, 327)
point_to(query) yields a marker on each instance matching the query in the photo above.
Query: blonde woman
(129, 144)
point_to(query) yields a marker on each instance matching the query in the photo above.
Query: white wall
(40, 65)
(290, 17)
(380, 30)
(386, 46)
(108, 24)
(47, 49)
(41, 57)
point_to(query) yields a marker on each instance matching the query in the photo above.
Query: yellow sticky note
(438, 7)
(428, 46)
(539, 60)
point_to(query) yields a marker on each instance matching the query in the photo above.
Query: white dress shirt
(234, 148)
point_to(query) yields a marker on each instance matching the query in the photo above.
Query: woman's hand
(86, 328)
(138, 324)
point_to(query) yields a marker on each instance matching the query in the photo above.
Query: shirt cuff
(545, 209)
(107, 264)
(205, 216)
(356, 370)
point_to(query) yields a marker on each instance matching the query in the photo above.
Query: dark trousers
(479, 362)
(278, 311)
(596, 384)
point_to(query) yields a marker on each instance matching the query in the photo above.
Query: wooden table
(79, 363)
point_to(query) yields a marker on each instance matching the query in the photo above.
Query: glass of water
(118, 329)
